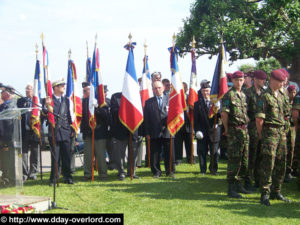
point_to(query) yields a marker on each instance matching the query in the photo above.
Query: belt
(273, 125)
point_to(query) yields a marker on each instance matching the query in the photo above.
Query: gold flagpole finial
(69, 53)
(36, 50)
(174, 39)
(193, 42)
(130, 37)
(42, 37)
(145, 47)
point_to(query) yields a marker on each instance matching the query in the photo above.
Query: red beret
(249, 74)
(291, 88)
(259, 74)
(278, 75)
(237, 74)
(285, 72)
(229, 75)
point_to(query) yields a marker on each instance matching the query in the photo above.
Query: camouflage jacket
(252, 100)
(296, 103)
(236, 107)
(272, 108)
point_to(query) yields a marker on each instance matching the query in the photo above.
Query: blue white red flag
(177, 102)
(93, 102)
(193, 96)
(131, 111)
(35, 113)
(219, 84)
(73, 97)
(146, 87)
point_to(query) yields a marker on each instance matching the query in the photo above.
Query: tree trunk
(295, 69)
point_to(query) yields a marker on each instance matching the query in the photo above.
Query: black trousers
(203, 146)
(158, 145)
(63, 159)
(180, 137)
(29, 144)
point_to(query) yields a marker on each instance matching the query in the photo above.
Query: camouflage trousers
(254, 150)
(290, 145)
(237, 150)
(273, 159)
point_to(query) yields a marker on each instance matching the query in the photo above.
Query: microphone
(7, 87)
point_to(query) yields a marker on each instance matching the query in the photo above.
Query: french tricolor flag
(35, 114)
(73, 97)
(177, 103)
(193, 96)
(146, 89)
(131, 111)
(219, 84)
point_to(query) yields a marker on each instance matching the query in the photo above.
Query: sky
(69, 24)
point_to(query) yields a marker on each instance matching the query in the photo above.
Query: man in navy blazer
(62, 132)
(155, 119)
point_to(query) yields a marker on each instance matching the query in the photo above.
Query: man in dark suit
(204, 129)
(120, 140)
(30, 140)
(62, 132)
(101, 134)
(155, 119)
(8, 155)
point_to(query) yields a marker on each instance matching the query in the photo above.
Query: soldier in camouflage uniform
(270, 121)
(235, 120)
(296, 119)
(290, 136)
(253, 95)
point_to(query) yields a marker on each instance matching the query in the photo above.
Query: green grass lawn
(189, 199)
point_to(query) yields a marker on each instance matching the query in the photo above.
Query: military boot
(279, 196)
(240, 189)
(232, 191)
(264, 199)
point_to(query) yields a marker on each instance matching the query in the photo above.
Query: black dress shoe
(279, 196)
(264, 199)
(121, 177)
(69, 181)
(156, 176)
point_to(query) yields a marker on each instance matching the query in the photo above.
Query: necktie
(160, 102)
(207, 103)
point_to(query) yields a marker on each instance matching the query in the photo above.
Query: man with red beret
(270, 121)
(248, 80)
(253, 95)
(235, 120)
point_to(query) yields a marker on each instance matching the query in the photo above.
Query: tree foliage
(250, 28)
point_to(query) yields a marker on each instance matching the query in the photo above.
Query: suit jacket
(102, 120)
(202, 122)
(155, 119)
(26, 103)
(7, 126)
(63, 123)
(118, 130)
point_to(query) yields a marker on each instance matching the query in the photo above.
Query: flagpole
(40, 139)
(145, 69)
(171, 143)
(192, 111)
(56, 181)
(130, 134)
(87, 57)
(215, 120)
(93, 132)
